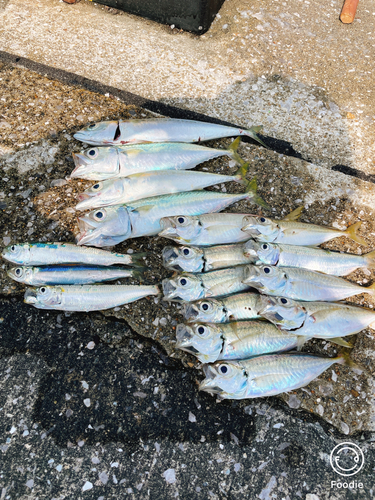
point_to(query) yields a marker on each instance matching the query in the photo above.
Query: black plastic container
(190, 15)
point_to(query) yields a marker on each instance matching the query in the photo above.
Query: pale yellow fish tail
(370, 259)
(242, 172)
(370, 289)
(253, 132)
(232, 148)
(344, 359)
(294, 215)
(341, 341)
(251, 190)
(352, 233)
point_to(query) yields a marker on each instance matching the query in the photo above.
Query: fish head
(206, 311)
(104, 226)
(268, 253)
(98, 134)
(204, 341)
(285, 313)
(96, 164)
(188, 259)
(266, 278)
(19, 254)
(21, 274)
(223, 376)
(260, 228)
(102, 193)
(181, 228)
(184, 287)
(44, 297)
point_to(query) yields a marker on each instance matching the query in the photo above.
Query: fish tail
(139, 272)
(294, 215)
(232, 148)
(251, 191)
(242, 172)
(352, 233)
(370, 259)
(344, 359)
(301, 341)
(341, 341)
(137, 259)
(253, 133)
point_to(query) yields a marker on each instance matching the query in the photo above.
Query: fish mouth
(266, 304)
(30, 296)
(167, 222)
(184, 334)
(250, 250)
(80, 165)
(190, 312)
(170, 232)
(251, 276)
(209, 383)
(169, 289)
(170, 254)
(249, 228)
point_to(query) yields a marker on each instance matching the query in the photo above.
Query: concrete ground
(92, 405)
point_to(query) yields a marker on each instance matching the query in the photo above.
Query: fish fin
(242, 172)
(138, 273)
(234, 328)
(294, 214)
(370, 289)
(136, 259)
(341, 341)
(253, 132)
(344, 359)
(352, 233)
(370, 259)
(232, 148)
(251, 190)
(144, 208)
(301, 341)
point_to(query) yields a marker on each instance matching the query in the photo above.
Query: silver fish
(111, 225)
(204, 230)
(189, 287)
(195, 260)
(149, 184)
(242, 340)
(69, 275)
(265, 375)
(86, 297)
(315, 259)
(98, 164)
(39, 254)
(295, 233)
(301, 284)
(240, 306)
(316, 319)
(158, 130)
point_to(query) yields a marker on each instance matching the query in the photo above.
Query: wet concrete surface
(93, 406)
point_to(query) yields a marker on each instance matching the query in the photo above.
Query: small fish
(301, 284)
(292, 232)
(242, 340)
(189, 287)
(86, 297)
(264, 376)
(69, 275)
(148, 184)
(99, 164)
(159, 130)
(195, 260)
(316, 319)
(315, 259)
(240, 306)
(111, 225)
(39, 254)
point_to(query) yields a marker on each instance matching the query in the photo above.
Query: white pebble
(87, 402)
(87, 486)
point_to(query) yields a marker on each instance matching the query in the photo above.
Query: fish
(39, 254)
(113, 162)
(69, 275)
(236, 307)
(111, 225)
(120, 132)
(315, 259)
(301, 284)
(149, 184)
(196, 260)
(188, 286)
(241, 340)
(322, 320)
(266, 375)
(292, 232)
(86, 297)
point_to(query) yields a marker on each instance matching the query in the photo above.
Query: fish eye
(223, 369)
(201, 330)
(265, 246)
(267, 270)
(18, 271)
(43, 289)
(284, 301)
(186, 251)
(92, 125)
(181, 220)
(96, 186)
(262, 219)
(183, 281)
(205, 306)
(93, 152)
(13, 248)
(99, 215)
